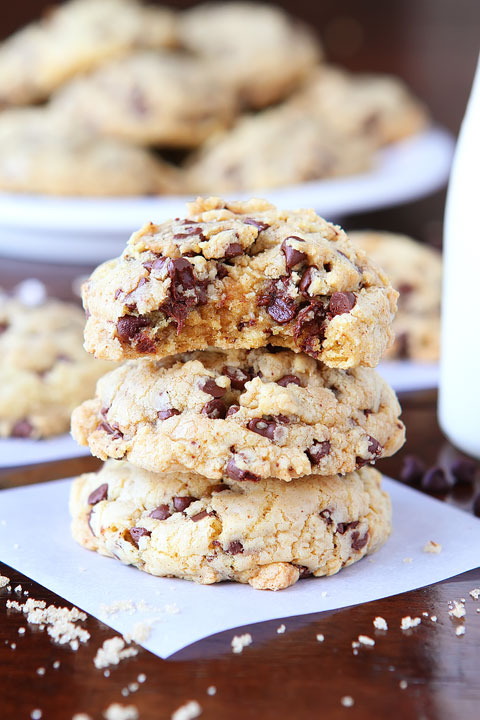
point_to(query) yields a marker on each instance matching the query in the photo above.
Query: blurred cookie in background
(415, 270)
(262, 51)
(43, 152)
(73, 38)
(45, 371)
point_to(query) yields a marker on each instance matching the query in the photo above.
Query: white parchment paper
(35, 539)
(15, 452)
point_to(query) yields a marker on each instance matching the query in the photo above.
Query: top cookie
(76, 37)
(258, 48)
(241, 274)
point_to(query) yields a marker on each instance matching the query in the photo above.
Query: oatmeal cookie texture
(415, 269)
(241, 415)
(44, 369)
(75, 37)
(241, 275)
(267, 534)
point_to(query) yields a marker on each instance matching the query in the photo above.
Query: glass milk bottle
(459, 399)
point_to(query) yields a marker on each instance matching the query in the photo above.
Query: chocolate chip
(236, 473)
(374, 447)
(289, 380)
(215, 409)
(180, 503)
(233, 250)
(210, 387)
(237, 377)
(232, 410)
(190, 232)
(222, 271)
(181, 272)
(199, 516)
(137, 532)
(248, 323)
(307, 278)
(464, 471)
(158, 264)
(262, 427)
(412, 470)
(112, 430)
(341, 302)
(435, 481)
(280, 306)
(256, 223)
(318, 450)
(219, 488)
(311, 325)
(342, 528)
(476, 506)
(292, 256)
(235, 547)
(358, 542)
(304, 570)
(3, 327)
(101, 493)
(22, 429)
(162, 512)
(165, 414)
(145, 345)
(118, 292)
(130, 325)
(327, 516)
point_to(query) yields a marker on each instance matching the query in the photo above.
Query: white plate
(15, 452)
(90, 230)
(406, 376)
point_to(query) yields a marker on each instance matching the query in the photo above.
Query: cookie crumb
(106, 673)
(36, 714)
(240, 641)
(4, 580)
(115, 711)
(460, 630)
(365, 640)
(380, 623)
(112, 652)
(212, 690)
(432, 547)
(81, 716)
(456, 609)
(141, 631)
(281, 629)
(18, 589)
(189, 711)
(407, 560)
(403, 684)
(347, 701)
(41, 671)
(13, 646)
(141, 678)
(409, 622)
(21, 631)
(433, 618)
(320, 637)
(475, 593)
(56, 664)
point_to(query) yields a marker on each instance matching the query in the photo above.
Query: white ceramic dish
(89, 230)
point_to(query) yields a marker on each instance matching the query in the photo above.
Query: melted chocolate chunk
(219, 488)
(179, 303)
(233, 250)
(99, 494)
(235, 547)
(232, 410)
(190, 232)
(210, 387)
(263, 427)
(22, 429)
(317, 451)
(236, 473)
(237, 377)
(357, 542)
(292, 255)
(112, 430)
(162, 512)
(180, 272)
(137, 532)
(256, 223)
(222, 271)
(145, 345)
(279, 305)
(342, 528)
(310, 325)
(435, 480)
(199, 516)
(289, 380)
(180, 503)
(307, 278)
(215, 409)
(165, 414)
(130, 325)
(341, 302)
(374, 446)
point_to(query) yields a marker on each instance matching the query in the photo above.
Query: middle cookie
(246, 415)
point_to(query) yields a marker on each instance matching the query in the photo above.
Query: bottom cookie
(268, 534)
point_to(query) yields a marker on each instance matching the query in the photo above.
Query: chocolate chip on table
(99, 494)
(215, 409)
(289, 380)
(233, 250)
(232, 410)
(22, 429)
(292, 255)
(435, 481)
(210, 387)
(256, 223)
(263, 427)
(137, 532)
(235, 547)
(476, 506)
(464, 471)
(199, 516)
(413, 470)
(341, 302)
(181, 502)
(237, 377)
(130, 325)
(318, 450)
(165, 414)
(237, 473)
(162, 512)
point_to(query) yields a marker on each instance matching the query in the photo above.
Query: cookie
(377, 107)
(261, 50)
(241, 414)
(416, 271)
(267, 534)
(151, 98)
(277, 147)
(73, 38)
(240, 275)
(44, 369)
(42, 152)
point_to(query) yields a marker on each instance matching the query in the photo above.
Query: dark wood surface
(432, 44)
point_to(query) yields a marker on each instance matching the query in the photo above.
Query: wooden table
(427, 673)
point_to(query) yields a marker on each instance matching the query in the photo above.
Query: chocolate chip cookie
(268, 534)
(75, 37)
(242, 415)
(44, 369)
(416, 272)
(241, 275)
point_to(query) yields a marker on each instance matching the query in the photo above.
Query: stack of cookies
(240, 432)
